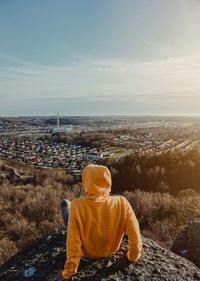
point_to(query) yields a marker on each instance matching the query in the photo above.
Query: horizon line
(105, 115)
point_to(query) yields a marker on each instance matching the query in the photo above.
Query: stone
(47, 255)
(187, 244)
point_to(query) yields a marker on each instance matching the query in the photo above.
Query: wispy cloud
(175, 78)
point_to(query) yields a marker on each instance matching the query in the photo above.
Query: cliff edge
(46, 255)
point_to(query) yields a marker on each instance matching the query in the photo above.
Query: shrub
(7, 249)
(162, 214)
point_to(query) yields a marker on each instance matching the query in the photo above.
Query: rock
(187, 244)
(46, 255)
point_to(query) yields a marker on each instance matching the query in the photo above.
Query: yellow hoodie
(98, 222)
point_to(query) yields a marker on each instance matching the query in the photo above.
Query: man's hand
(56, 276)
(125, 258)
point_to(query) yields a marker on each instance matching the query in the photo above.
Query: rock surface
(46, 255)
(187, 244)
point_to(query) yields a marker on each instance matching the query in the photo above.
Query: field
(115, 152)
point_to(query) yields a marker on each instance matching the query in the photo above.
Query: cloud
(155, 82)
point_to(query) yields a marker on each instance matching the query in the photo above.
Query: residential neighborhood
(41, 153)
(37, 141)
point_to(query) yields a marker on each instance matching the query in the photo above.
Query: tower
(58, 123)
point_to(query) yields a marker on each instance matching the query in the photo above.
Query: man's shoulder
(78, 201)
(119, 198)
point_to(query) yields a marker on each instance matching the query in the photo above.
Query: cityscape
(37, 140)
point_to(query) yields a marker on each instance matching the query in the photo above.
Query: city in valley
(72, 142)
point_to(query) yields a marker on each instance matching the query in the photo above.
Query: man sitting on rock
(98, 222)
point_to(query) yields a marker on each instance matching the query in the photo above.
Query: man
(98, 222)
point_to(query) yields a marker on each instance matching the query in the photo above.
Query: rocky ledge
(187, 244)
(46, 255)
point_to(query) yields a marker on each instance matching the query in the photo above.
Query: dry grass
(31, 210)
(161, 215)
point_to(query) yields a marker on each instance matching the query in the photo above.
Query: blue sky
(99, 57)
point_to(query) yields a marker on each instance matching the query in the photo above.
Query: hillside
(30, 206)
(46, 255)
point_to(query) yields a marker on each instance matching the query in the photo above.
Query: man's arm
(133, 232)
(74, 244)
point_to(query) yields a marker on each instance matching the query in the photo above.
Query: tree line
(167, 172)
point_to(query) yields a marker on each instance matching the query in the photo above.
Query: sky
(99, 57)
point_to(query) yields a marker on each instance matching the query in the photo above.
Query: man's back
(98, 222)
(102, 224)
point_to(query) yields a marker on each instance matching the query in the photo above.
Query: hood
(96, 181)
